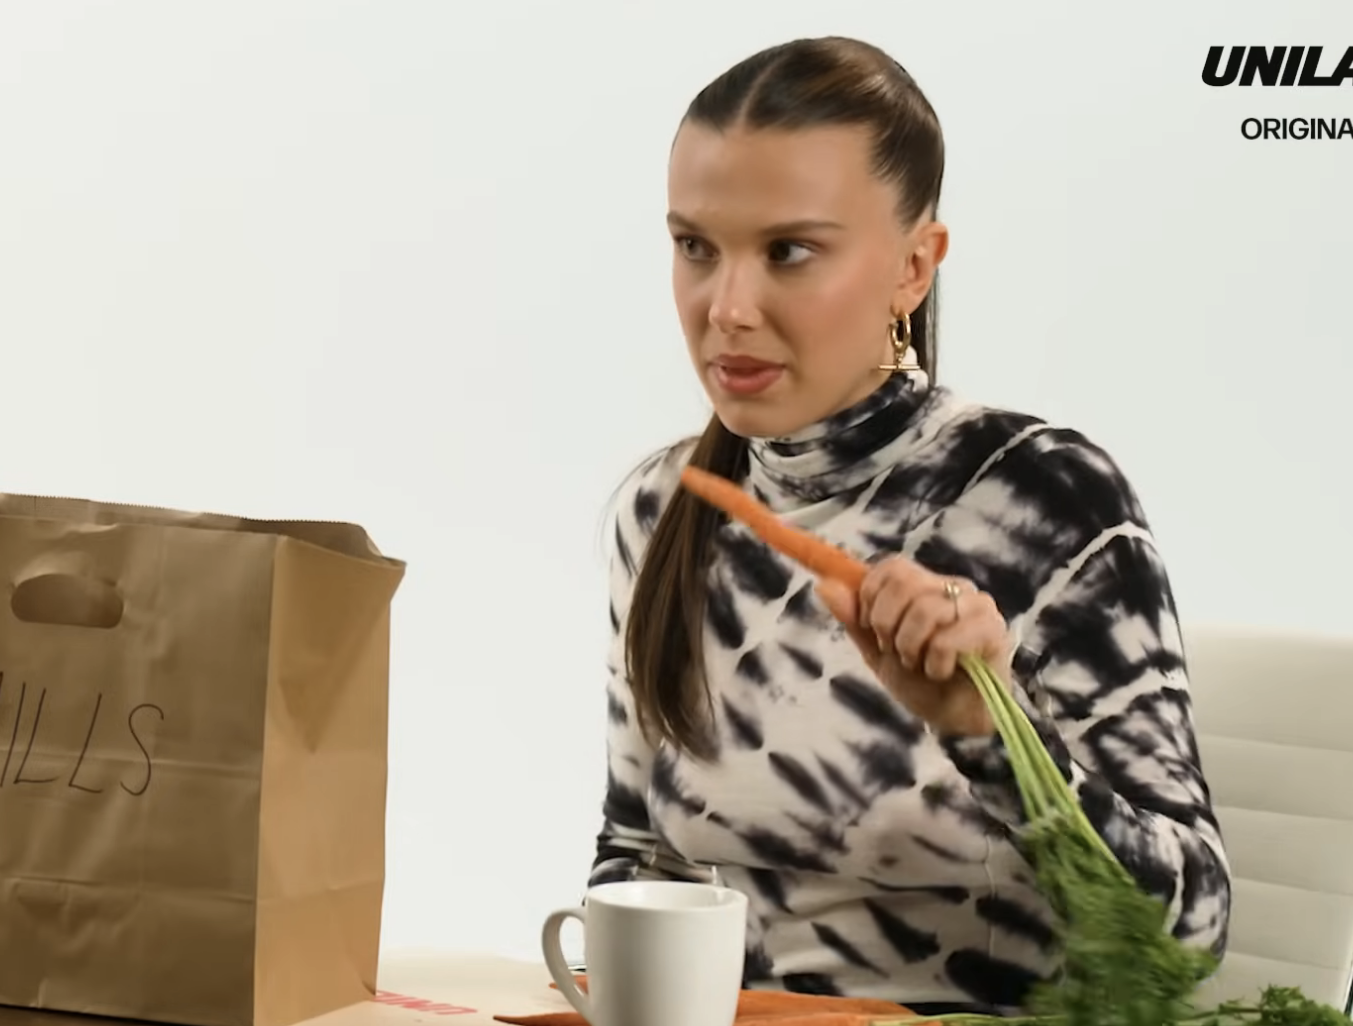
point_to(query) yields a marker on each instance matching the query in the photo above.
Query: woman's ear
(928, 247)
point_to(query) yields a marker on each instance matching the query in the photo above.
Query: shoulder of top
(1035, 457)
(1015, 432)
(660, 469)
(649, 485)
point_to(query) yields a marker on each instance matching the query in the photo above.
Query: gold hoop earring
(899, 336)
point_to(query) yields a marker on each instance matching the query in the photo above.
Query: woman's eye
(789, 252)
(692, 248)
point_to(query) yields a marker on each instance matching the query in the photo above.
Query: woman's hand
(911, 625)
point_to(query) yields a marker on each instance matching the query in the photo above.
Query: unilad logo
(1283, 67)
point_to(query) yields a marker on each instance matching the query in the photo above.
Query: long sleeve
(627, 847)
(1102, 673)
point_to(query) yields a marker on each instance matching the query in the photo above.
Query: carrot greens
(1121, 965)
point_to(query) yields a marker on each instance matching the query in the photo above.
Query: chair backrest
(1274, 714)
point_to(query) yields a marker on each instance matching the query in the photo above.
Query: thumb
(844, 603)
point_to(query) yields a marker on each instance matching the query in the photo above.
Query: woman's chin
(758, 420)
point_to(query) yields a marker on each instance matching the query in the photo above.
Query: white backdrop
(404, 263)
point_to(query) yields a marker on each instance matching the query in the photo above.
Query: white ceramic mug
(658, 953)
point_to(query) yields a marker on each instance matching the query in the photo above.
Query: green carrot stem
(1035, 758)
(1034, 769)
(1032, 794)
(1023, 745)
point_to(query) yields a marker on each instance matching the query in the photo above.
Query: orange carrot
(762, 1003)
(822, 558)
(789, 1018)
(761, 1008)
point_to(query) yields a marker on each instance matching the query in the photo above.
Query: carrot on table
(797, 1017)
(820, 557)
(767, 1004)
(812, 1019)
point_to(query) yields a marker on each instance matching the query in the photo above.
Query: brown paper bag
(192, 763)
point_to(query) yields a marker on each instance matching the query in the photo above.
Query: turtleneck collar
(841, 451)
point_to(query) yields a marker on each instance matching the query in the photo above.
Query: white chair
(1274, 714)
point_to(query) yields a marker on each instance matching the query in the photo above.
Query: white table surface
(448, 990)
(414, 988)
(458, 990)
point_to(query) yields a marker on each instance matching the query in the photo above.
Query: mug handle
(558, 965)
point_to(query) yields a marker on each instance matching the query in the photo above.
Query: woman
(819, 747)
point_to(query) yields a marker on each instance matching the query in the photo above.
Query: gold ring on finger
(953, 591)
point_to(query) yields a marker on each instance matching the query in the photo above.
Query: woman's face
(790, 268)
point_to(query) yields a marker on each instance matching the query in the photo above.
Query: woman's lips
(745, 375)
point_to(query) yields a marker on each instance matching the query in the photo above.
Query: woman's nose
(735, 305)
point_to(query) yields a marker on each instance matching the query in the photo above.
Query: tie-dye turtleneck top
(880, 860)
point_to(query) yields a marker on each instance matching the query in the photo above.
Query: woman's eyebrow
(684, 223)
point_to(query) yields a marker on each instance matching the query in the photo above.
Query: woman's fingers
(927, 616)
(886, 598)
(905, 606)
(979, 630)
(912, 626)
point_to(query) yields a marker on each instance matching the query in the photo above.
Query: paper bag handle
(558, 965)
(66, 599)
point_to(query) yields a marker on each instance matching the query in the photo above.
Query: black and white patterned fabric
(878, 858)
